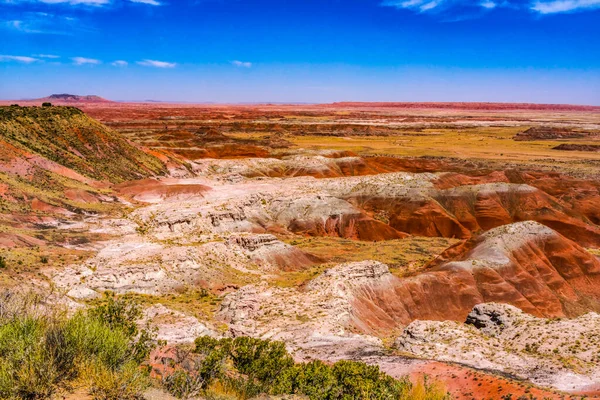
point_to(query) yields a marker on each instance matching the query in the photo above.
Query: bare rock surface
(175, 327)
(558, 353)
(135, 264)
(318, 317)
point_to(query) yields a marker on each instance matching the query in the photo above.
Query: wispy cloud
(119, 63)
(564, 6)
(52, 56)
(241, 64)
(84, 3)
(417, 5)
(451, 7)
(156, 64)
(149, 2)
(77, 2)
(22, 59)
(21, 26)
(42, 23)
(85, 61)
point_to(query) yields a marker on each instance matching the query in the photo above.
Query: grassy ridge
(70, 138)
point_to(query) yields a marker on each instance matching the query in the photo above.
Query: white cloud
(77, 2)
(42, 23)
(22, 26)
(47, 56)
(149, 2)
(416, 5)
(23, 59)
(84, 61)
(242, 64)
(564, 6)
(448, 6)
(488, 4)
(120, 63)
(156, 64)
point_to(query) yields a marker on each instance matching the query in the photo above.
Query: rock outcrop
(558, 353)
(524, 264)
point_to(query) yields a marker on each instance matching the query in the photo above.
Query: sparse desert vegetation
(44, 351)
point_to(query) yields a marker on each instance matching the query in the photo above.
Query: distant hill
(74, 98)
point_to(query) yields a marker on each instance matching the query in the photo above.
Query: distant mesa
(549, 133)
(577, 147)
(74, 98)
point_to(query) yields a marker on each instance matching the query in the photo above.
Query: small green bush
(42, 352)
(246, 367)
(127, 382)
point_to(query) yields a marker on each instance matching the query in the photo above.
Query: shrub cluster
(245, 367)
(42, 352)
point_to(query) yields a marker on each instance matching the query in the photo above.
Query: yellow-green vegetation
(29, 260)
(70, 138)
(50, 188)
(479, 143)
(594, 251)
(202, 303)
(403, 256)
(43, 351)
(244, 367)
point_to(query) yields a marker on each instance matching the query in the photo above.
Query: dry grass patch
(403, 256)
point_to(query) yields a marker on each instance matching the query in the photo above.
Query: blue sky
(544, 51)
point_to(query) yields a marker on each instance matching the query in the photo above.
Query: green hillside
(69, 137)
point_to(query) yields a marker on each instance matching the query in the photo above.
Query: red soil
(465, 383)
(152, 189)
(39, 205)
(8, 240)
(546, 277)
(355, 226)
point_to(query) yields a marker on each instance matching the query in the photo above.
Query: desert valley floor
(459, 241)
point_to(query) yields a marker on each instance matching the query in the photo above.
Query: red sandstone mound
(577, 196)
(349, 226)
(266, 249)
(463, 210)
(210, 142)
(340, 164)
(329, 216)
(525, 264)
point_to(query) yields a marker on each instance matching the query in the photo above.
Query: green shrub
(183, 385)
(26, 363)
(124, 383)
(2, 262)
(42, 352)
(247, 367)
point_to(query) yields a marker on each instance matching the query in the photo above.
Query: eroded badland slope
(281, 223)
